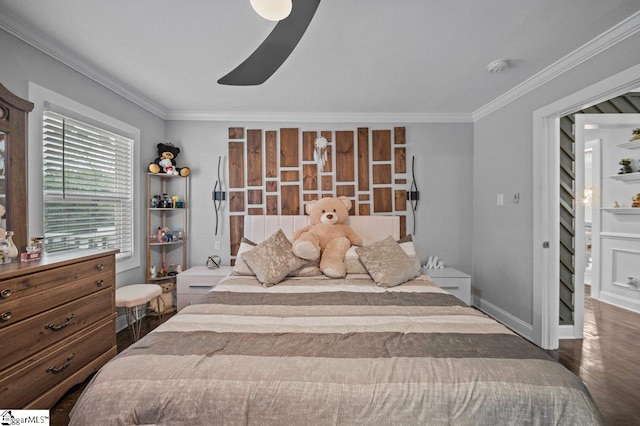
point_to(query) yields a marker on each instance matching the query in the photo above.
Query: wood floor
(607, 360)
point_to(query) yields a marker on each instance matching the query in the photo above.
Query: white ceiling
(420, 57)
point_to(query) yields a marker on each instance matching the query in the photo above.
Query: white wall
(617, 246)
(503, 238)
(22, 64)
(444, 167)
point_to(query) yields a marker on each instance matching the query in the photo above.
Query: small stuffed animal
(327, 236)
(635, 135)
(166, 161)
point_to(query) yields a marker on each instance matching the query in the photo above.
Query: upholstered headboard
(370, 228)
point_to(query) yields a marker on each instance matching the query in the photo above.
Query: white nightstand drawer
(185, 300)
(453, 281)
(197, 281)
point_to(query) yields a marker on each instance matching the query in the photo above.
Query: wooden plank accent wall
(273, 172)
(344, 156)
(308, 145)
(254, 157)
(290, 200)
(381, 145)
(363, 159)
(236, 165)
(288, 147)
(236, 132)
(271, 154)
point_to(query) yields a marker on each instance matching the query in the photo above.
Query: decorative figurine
(636, 201)
(635, 136)
(626, 166)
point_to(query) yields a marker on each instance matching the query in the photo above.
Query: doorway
(546, 196)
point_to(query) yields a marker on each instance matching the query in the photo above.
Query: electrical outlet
(500, 199)
(216, 245)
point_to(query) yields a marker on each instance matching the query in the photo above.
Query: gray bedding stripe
(346, 345)
(328, 310)
(332, 298)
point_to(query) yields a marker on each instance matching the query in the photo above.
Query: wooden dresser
(57, 325)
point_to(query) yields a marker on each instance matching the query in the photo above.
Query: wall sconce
(273, 10)
(320, 151)
(218, 195)
(413, 195)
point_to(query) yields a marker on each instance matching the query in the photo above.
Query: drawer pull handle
(100, 283)
(53, 327)
(64, 366)
(6, 316)
(5, 293)
(100, 267)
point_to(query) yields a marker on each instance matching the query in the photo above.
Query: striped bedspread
(333, 352)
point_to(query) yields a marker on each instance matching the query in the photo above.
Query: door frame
(546, 183)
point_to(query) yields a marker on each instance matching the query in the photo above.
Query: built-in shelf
(622, 210)
(630, 145)
(626, 176)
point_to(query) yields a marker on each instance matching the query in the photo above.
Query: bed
(313, 350)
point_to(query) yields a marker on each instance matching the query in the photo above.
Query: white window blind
(87, 186)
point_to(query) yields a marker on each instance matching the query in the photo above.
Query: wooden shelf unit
(176, 219)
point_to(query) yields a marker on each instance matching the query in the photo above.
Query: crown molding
(311, 117)
(625, 29)
(19, 29)
(604, 41)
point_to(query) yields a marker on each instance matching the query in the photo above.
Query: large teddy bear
(327, 235)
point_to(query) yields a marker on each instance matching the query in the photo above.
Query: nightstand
(197, 281)
(455, 282)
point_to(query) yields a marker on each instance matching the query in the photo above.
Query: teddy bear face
(329, 210)
(167, 151)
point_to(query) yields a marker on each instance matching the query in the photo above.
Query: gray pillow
(241, 268)
(388, 264)
(272, 259)
(310, 268)
(355, 266)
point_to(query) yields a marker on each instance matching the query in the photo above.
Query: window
(87, 186)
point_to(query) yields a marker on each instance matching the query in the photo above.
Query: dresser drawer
(36, 375)
(33, 283)
(13, 310)
(40, 331)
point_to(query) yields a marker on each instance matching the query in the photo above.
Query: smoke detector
(498, 65)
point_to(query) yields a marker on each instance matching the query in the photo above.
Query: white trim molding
(514, 323)
(35, 38)
(18, 28)
(545, 196)
(604, 41)
(313, 117)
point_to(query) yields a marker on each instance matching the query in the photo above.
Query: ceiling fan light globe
(273, 10)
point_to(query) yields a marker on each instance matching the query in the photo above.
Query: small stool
(134, 299)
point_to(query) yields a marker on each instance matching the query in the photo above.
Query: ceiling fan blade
(275, 49)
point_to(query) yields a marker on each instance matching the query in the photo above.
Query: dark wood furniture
(13, 185)
(57, 325)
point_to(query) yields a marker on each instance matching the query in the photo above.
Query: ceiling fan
(276, 48)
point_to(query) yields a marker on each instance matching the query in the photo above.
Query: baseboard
(620, 301)
(516, 324)
(567, 332)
